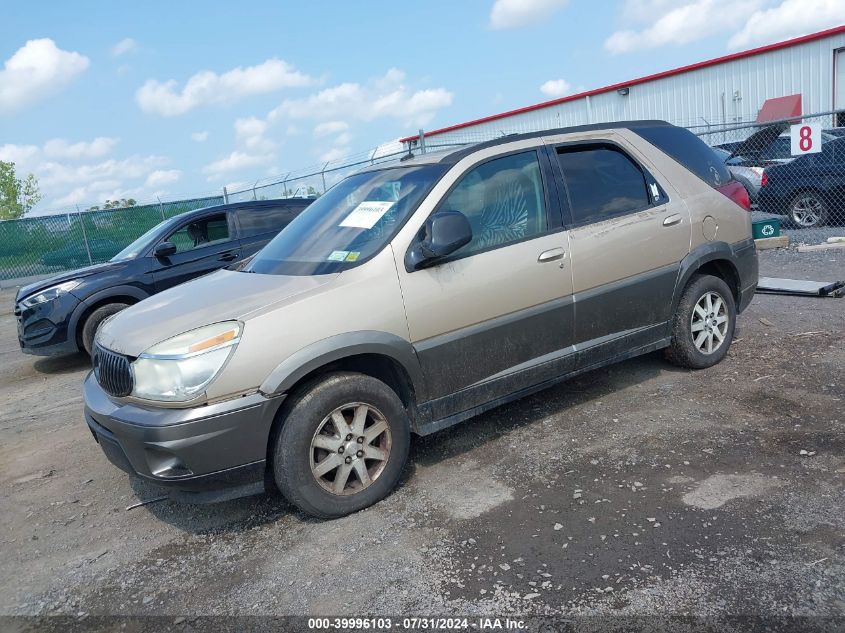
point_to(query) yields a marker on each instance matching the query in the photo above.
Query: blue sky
(103, 100)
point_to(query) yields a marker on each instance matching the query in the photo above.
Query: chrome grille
(112, 372)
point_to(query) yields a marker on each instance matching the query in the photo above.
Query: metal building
(717, 92)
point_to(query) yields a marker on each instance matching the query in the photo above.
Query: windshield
(350, 223)
(145, 241)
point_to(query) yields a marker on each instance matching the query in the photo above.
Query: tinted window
(602, 182)
(201, 232)
(503, 200)
(689, 150)
(258, 220)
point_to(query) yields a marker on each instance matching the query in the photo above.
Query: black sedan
(60, 315)
(810, 190)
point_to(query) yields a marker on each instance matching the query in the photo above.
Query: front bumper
(205, 454)
(45, 330)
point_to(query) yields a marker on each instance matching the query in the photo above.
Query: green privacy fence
(54, 243)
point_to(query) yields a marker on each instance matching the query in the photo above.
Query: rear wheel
(342, 445)
(703, 325)
(807, 210)
(95, 319)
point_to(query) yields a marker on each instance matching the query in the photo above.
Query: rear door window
(263, 220)
(603, 182)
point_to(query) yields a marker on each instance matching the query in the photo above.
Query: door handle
(671, 220)
(228, 257)
(551, 255)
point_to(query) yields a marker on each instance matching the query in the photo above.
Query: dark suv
(60, 315)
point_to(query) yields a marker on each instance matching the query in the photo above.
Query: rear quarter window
(689, 150)
(258, 221)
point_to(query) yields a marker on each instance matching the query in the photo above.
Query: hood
(221, 296)
(25, 291)
(760, 141)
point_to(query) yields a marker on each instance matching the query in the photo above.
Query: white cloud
(59, 148)
(126, 45)
(236, 161)
(382, 97)
(790, 18)
(38, 69)
(678, 23)
(509, 14)
(161, 177)
(330, 127)
(21, 155)
(66, 175)
(333, 154)
(250, 132)
(556, 88)
(165, 98)
(199, 137)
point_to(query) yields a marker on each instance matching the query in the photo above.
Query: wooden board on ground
(782, 241)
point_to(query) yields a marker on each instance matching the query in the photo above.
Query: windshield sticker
(353, 256)
(366, 214)
(338, 256)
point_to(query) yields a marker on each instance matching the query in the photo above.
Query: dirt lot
(637, 489)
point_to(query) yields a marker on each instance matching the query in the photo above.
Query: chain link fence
(803, 190)
(54, 243)
(793, 170)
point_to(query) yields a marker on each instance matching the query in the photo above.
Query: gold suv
(418, 293)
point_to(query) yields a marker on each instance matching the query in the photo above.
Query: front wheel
(95, 320)
(703, 324)
(342, 445)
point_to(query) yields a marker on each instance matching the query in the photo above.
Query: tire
(309, 417)
(95, 319)
(808, 210)
(693, 333)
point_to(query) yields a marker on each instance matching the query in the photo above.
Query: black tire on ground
(806, 205)
(683, 350)
(304, 414)
(89, 329)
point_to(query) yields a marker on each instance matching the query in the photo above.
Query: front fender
(335, 348)
(86, 303)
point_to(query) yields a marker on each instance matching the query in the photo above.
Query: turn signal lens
(214, 341)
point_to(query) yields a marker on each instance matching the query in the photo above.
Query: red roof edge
(666, 73)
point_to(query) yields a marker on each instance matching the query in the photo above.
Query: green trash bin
(761, 229)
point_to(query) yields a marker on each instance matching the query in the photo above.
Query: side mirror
(442, 234)
(165, 249)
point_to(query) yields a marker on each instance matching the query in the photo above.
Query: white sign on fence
(806, 138)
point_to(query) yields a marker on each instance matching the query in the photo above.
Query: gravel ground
(639, 489)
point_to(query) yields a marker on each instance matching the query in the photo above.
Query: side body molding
(335, 348)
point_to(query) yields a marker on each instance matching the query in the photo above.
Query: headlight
(48, 294)
(179, 368)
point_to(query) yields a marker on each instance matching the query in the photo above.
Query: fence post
(323, 176)
(422, 142)
(225, 195)
(254, 185)
(84, 235)
(160, 207)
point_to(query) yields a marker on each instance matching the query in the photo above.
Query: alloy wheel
(807, 211)
(350, 448)
(709, 323)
